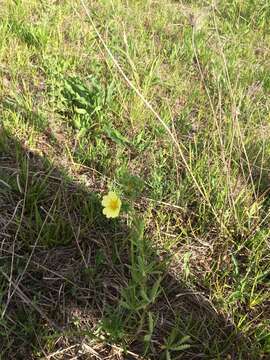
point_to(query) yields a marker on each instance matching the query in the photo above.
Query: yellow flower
(112, 205)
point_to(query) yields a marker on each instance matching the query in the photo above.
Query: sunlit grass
(183, 269)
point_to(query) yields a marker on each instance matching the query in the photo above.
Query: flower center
(114, 204)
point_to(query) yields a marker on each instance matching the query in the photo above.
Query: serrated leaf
(184, 339)
(69, 88)
(155, 289)
(80, 111)
(110, 91)
(144, 296)
(180, 347)
(82, 100)
(115, 135)
(136, 276)
(38, 219)
(150, 322)
(125, 305)
(235, 263)
(77, 123)
(172, 336)
(147, 338)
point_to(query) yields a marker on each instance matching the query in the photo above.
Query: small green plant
(173, 344)
(144, 285)
(85, 100)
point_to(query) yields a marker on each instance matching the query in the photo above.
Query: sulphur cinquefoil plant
(146, 273)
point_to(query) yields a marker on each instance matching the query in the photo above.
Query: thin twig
(20, 277)
(48, 357)
(26, 299)
(15, 239)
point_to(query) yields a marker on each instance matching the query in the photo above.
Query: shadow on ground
(64, 268)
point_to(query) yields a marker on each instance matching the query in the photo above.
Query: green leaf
(186, 263)
(125, 305)
(147, 338)
(180, 347)
(155, 290)
(144, 296)
(184, 339)
(115, 135)
(168, 356)
(110, 91)
(69, 88)
(77, 123)
(132, 185)
(80, 111)
(150, 322)
(235, 263)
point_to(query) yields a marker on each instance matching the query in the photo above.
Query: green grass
(184, 272)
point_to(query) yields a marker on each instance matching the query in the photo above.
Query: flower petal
(105, 200)
(113, 214)
(112, 195)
